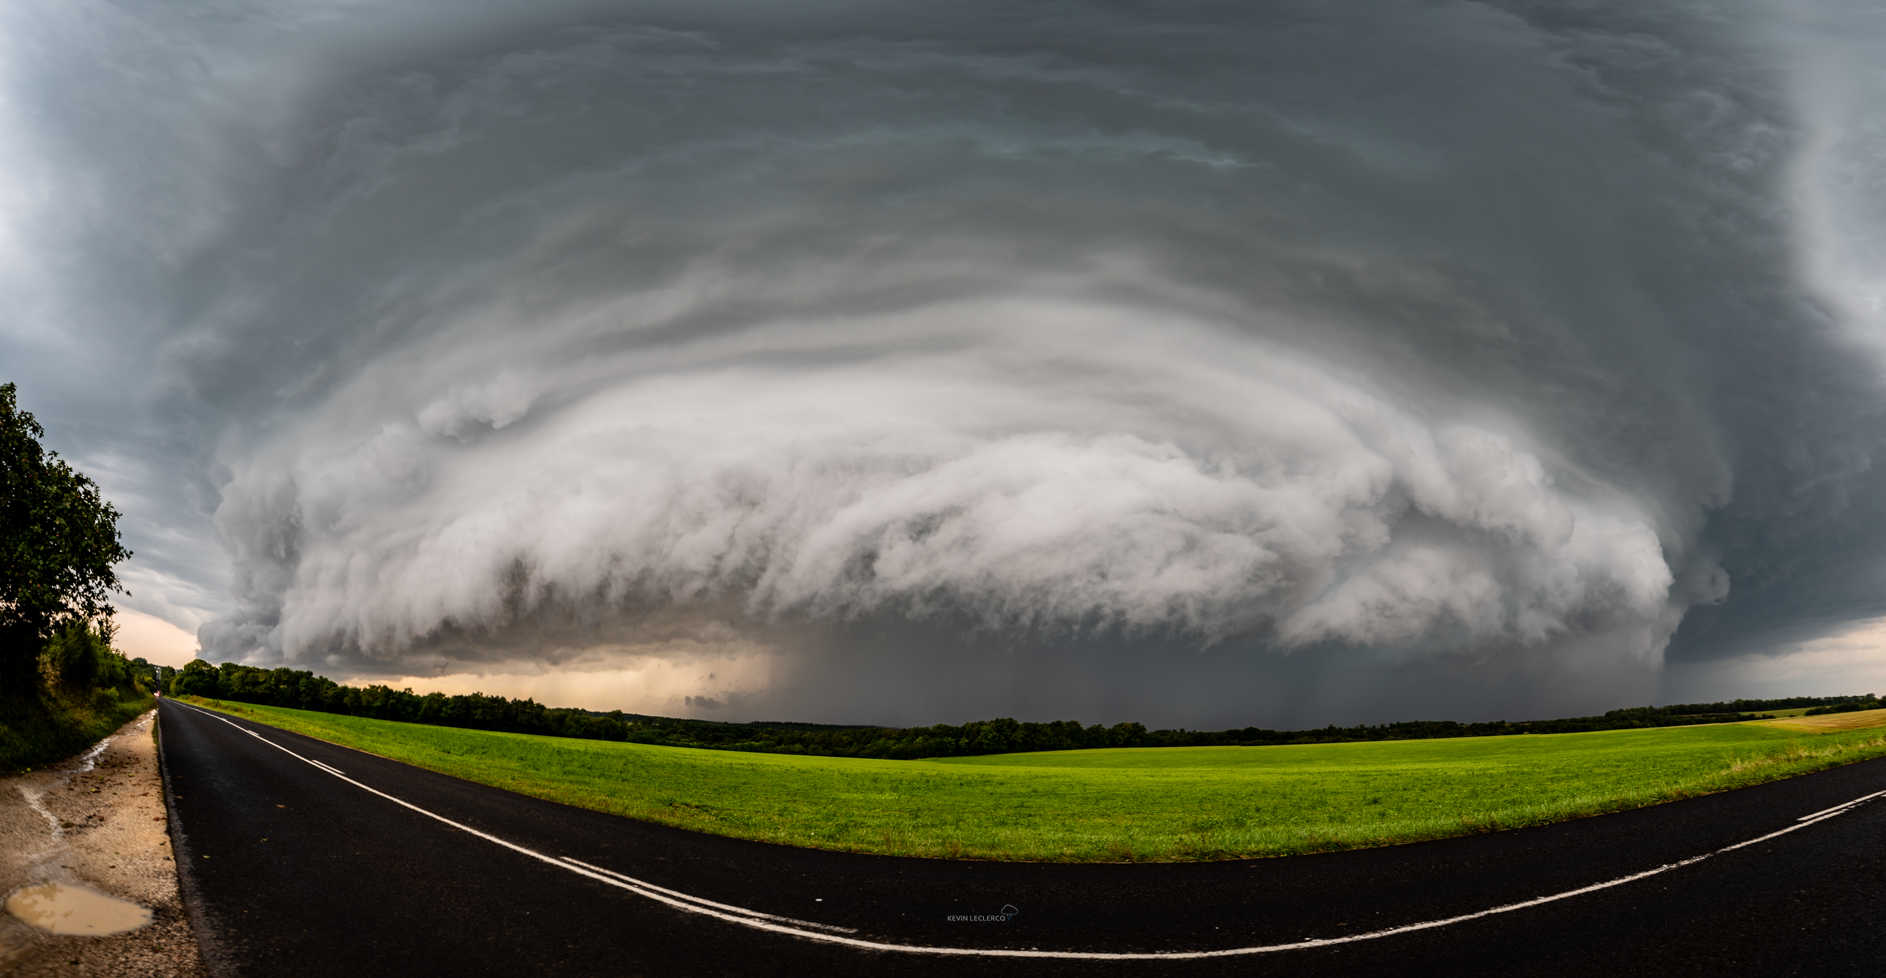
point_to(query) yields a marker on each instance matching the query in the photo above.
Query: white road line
(709, 903)
(761, 921)
(1842, 806)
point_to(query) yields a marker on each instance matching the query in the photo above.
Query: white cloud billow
(1144, 356)
(1004, 461)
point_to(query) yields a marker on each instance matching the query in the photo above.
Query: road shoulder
(98, 819)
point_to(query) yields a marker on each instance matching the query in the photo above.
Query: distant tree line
(307, 691)
(1821, 704)
(1869, 702)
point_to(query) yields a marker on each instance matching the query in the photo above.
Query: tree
(196, 678)
(58, 542)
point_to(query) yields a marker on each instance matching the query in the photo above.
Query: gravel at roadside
(97, 819)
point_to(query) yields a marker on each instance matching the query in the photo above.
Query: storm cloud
(1202, 363)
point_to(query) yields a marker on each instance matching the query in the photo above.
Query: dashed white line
(780, 925)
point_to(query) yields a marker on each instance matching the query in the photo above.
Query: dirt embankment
(97, 820)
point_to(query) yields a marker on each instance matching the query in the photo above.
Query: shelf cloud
(897, 362)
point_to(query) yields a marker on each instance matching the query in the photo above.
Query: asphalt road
(299, 857)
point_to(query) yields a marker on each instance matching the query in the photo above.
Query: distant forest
(307, 691)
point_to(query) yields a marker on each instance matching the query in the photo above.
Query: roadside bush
(87, 690)
(71, 658)
(38, 730)
(79, 658)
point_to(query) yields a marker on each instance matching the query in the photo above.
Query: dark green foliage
(61, 685)
(1854, 704)
(148, 674)
(89, 690)
(78, 654)
(1784, 703)
(58, 542)
(306, 691)
(196, 678)
(79, 660)
(39, 730)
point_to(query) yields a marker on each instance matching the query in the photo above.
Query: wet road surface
(299, 857)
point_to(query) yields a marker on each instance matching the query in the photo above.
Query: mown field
(1132, 804)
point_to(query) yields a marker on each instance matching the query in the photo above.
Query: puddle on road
(68, 908)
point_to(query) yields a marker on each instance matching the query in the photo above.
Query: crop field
(1130, 804)
(1830, 723)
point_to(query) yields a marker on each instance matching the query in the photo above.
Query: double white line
(1842, 807)
(832, 934)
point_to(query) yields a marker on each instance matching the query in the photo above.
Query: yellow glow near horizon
(148, 637)
(655, 686)
(1852, 660)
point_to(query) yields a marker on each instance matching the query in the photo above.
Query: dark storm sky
(1196, 363)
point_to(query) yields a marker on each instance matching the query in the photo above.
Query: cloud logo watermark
(1008, 913)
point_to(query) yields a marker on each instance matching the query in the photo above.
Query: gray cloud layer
(1173, 357)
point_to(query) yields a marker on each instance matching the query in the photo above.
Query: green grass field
(1180, 803)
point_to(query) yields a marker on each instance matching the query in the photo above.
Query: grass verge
(1124, 805)
(38, 730)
